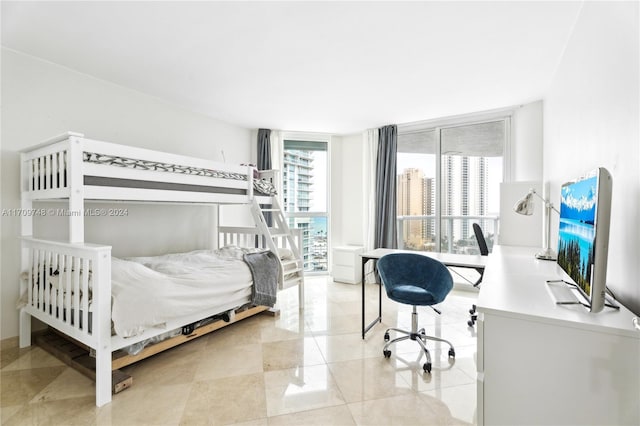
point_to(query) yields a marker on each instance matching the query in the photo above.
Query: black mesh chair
(484, 251)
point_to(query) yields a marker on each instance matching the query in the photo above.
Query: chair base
(419, 336)
(473, 316)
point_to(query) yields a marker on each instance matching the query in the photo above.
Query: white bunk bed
(76, 169)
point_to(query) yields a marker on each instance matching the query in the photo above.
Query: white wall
(591, 117)
(41, 100)
(526, 146)
(347, 189)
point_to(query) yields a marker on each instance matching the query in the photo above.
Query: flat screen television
(583, 234)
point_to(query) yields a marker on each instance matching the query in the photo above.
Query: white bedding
(149, 291)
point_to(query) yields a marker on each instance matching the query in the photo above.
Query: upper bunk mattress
(262, 186)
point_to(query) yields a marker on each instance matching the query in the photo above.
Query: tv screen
(583, 234)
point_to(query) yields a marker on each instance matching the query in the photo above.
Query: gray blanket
(264, 269)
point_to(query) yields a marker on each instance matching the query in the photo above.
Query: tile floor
(300, 368)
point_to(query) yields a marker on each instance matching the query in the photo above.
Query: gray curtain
(264, 162)
(264, 149)
(385, 229)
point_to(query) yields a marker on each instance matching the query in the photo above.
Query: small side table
(345, 266)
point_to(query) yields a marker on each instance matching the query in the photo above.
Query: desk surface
(546, 364)
(449, 259)
(514, 285)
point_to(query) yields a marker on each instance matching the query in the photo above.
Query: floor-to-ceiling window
(305, 197)
(448, 178)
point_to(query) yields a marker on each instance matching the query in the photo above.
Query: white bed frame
(63, 155)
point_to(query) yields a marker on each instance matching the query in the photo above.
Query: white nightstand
(346, 263)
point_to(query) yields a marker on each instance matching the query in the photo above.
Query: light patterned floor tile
(20, 386)
(345, 347)
(338, 415)
(7, 412)
(69, 384)
(306, 367)
(290, 354)
(407, 410)
(68, 412)
(146, 405)
(461, 401)
(322, 323)
(34, 357)
(226, 400)
(300, 389)
(219, 362)
(368, 378)
(8, 356)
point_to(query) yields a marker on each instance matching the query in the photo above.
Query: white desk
(546, 364)
(449, 259)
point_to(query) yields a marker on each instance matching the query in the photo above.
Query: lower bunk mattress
(149, 292)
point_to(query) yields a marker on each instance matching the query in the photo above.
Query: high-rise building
(429, 209)
(465, 192)
(296, 194)
(415, 198)
(297, 178)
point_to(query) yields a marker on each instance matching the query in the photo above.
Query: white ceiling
(337, 67)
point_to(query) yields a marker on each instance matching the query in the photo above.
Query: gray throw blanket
(264, 269)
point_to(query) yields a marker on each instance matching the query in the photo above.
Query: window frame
(310, 137)
(437, 125)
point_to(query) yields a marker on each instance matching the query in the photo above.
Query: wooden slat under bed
(77, 355)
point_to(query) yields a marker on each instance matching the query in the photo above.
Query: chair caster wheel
(386, 353)
(427, 367)
(386, 337)
(452, 353)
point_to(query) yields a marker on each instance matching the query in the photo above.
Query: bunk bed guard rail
(68, 286)
(72, 166)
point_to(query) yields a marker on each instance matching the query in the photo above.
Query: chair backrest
(401, 269)
(482, 244)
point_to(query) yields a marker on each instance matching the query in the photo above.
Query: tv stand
(609, 302)
(547, 364)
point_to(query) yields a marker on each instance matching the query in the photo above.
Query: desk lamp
(525, 207)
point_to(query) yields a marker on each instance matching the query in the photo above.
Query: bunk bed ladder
(277, 231)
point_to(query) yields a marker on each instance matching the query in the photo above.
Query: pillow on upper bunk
(265, 187)
(256, 173)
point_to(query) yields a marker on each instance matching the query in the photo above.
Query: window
(448, 178)
(416, 196)
(304, 191)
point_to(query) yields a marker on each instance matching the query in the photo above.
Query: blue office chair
(416, 280)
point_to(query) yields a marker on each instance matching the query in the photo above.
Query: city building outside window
(448, 178)
(305, 194)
